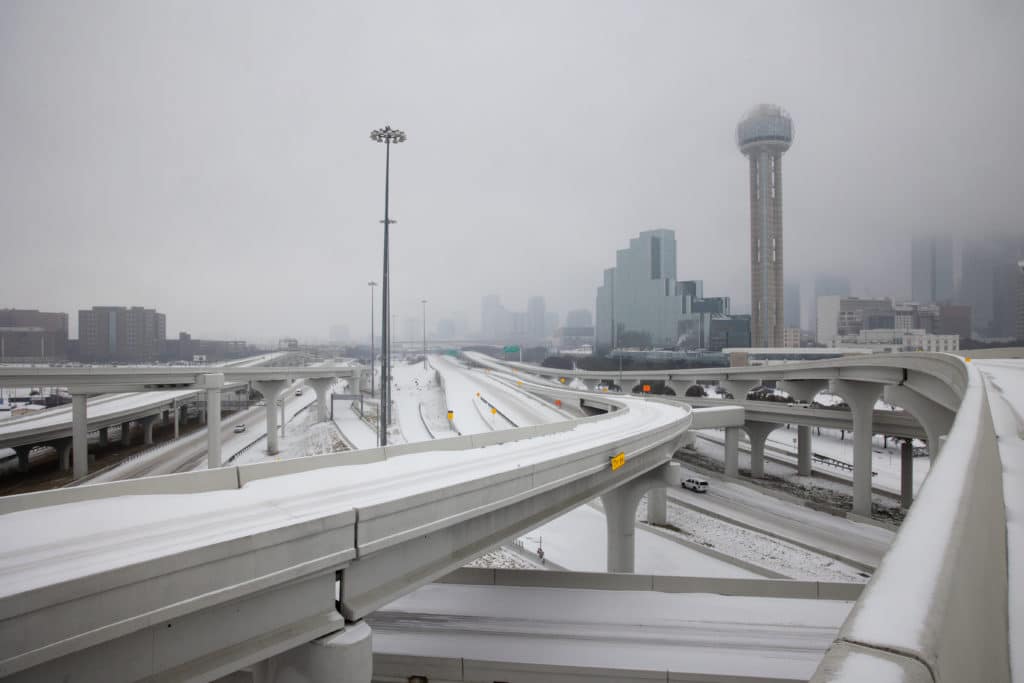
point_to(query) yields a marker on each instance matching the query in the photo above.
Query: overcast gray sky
(212, 159)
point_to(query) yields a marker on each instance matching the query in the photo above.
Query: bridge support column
(64, 447)
(803, 390)
(657, 506)
(126, 433)
(906, 473)
(79, 435)
(104, 437)
(23, 452)
(803, 450)
(861, 397)
(739, 388)
(214, 384)
(177, 420)
(345, 656)
(620, 513)
(147, 429)
(322, 387)
(758, 433)
(934, 418)
(271, 390)
(732, 451)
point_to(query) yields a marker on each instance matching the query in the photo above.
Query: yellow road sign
(618, 461)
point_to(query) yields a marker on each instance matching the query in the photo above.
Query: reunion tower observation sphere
(763, 136)
(765, 126)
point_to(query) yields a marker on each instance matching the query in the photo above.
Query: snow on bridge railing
(937, 608)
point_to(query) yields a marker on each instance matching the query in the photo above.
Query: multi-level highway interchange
(248, 564)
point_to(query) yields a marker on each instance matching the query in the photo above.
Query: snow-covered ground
(753, 547)
(830, 492)
(578, 541)
(738, 502)
(303, 435)
(356, 430)
(885, 457)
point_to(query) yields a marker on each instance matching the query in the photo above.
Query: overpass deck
(461, 632)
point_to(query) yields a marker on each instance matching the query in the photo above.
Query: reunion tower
(763, 135)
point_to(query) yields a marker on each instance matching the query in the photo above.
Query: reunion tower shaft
(763, 135)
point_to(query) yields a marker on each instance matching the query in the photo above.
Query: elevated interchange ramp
(193, 576)
(94, 589)
(938, 607)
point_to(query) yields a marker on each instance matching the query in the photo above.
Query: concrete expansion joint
(899, 652)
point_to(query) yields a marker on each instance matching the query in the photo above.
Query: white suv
(698, 485)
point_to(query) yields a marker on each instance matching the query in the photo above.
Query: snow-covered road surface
(44, 546)
(577, 541)
(694, 633)
(861, 544)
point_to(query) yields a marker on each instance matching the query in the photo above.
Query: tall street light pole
(424, 302)
(388, 136)
(373, 355)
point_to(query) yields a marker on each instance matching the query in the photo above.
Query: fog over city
(213, 160)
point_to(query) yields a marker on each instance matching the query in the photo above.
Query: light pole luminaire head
(387, 134)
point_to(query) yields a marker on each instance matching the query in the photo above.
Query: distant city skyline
(220, 181)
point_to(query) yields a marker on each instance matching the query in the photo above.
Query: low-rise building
(31, 336)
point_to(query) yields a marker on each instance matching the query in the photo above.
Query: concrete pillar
(322, 387)
(147, 429)
(284, 422)
(739, 388)
(934, 418)
(906, 473)
(678, 388)
(177, 421)
(126, 433)
(657, 506)
(214, 384)
(861, 397)
(79, 435)
(104, 436)
(344, 656)
(732, 451)
(271, 389)
(803, 390)
(64, 453)
(166, 416)
(620, 513)
(803, 450)
(23, 452)
(758, 433)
